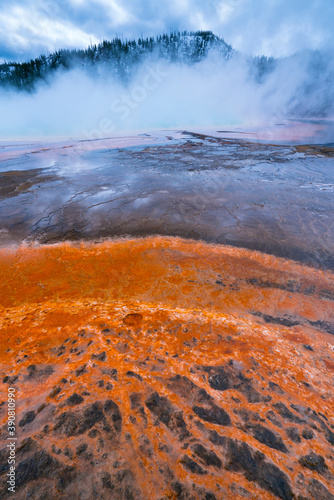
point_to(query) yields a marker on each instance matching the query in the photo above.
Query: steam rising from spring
(161, 94)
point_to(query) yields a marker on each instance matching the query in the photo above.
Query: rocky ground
(162, 368)
(269, 197)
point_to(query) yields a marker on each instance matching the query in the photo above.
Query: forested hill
(119, 56)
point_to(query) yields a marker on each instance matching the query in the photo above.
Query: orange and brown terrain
(164, 368)
(150, 359)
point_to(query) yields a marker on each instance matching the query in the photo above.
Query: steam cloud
(161, 95)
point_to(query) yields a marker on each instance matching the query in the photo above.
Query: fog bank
(210, 93)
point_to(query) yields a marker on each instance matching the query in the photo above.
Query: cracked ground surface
(165, 367)
(273, 198)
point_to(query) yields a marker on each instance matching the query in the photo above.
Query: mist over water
(160, 95)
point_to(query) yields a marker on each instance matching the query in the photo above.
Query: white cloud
(225, 12)
(275, 27)
(25, 29)
(117, 13)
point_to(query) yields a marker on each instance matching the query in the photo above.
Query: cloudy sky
(271, 27)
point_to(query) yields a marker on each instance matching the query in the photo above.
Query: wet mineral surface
(164, 367)
(269, 197)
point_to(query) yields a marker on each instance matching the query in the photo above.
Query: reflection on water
(166, 367)
(270, 197)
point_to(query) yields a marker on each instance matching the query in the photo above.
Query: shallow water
(274, 198)
(163, 366)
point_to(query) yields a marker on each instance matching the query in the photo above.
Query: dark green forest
(119, 57)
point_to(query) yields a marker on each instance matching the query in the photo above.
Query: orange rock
(165, 368)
